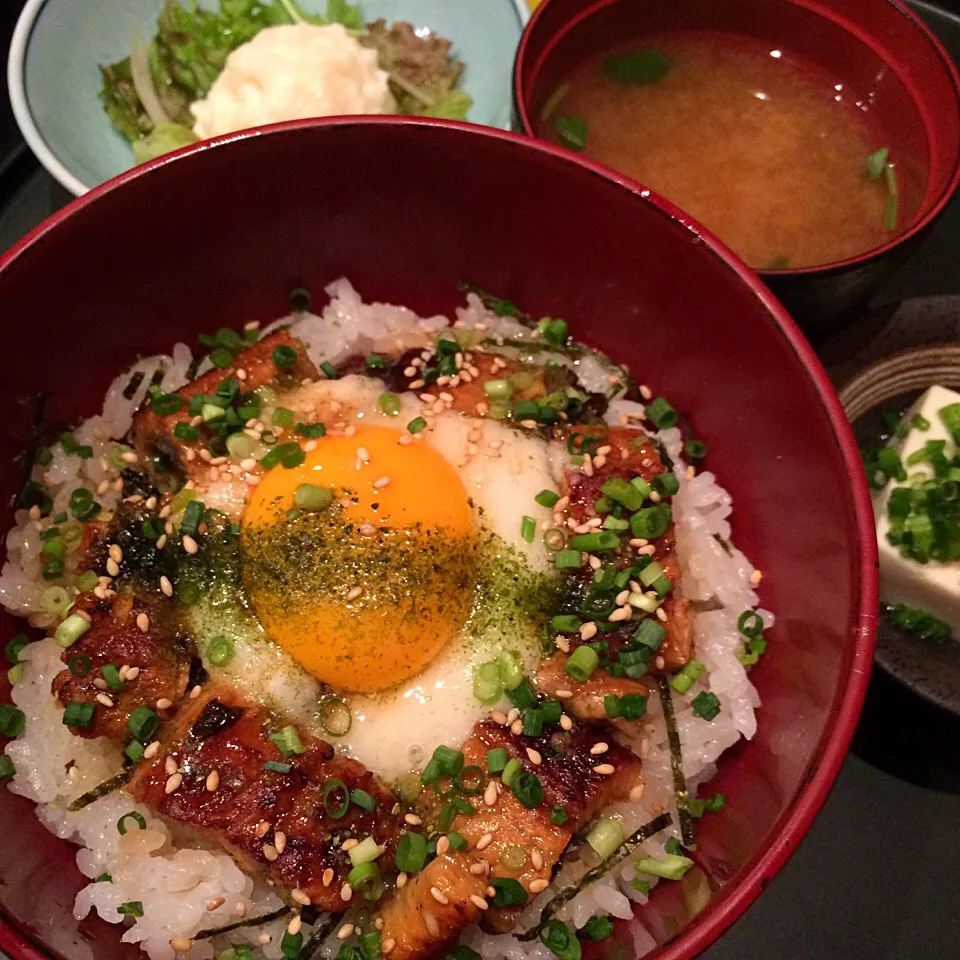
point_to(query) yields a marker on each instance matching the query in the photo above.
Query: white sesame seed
(173, 783)
(189, 544)
(181, 944)
(151, 750)
(490, 794)
(565, 722)
(215, 904)
(354, 592)
(533, 756)
(100, 683)
(562, 644)
(345, 931)
(240, 909)
(513, 714)
(536, 858)
(102, 487)
(661, 614)
(327, 877)
(263, 828)
(412, 819)
(439, 896)
(299, 896)
(112, 567)
(636, 794)
(143, 622)
(443, 845)
(363, 454)
(270, 852)
(621, 613)
(264, 938)
(387, 946)
(588, 630)
(484, 841)
(401, 881)
(166, 586)
(516, 728)
(498, 717)
(170, 766)
(604, 769)
(563, 694)
(128, 456)
(477, 868)
(479, 902)
(293, 927)
(756, 577)
(104, 699)
(404, 439)
(346, 893)
(162, 541)
(163, 703)
(538, 886)
(349, 844)
(213, 781)
(599, 748)
(381, 483)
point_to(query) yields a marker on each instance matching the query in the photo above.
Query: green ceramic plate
(54, 82)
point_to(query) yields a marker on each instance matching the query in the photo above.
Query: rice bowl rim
(841, 721)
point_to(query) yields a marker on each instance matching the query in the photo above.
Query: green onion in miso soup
(771, 154)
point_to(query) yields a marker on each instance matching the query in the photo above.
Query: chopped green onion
(192, 518)
(132, 908)
(511, 770)
(309, 496)
(287, 741)
(650, 634)
(363, 800)
(525, 410)
(77, 714)
(920, 422)
(416, 425)
(277, 766)
(112, 675)
(507, 892)
(364, 877)
(220, 651)
(527, 788)
(7, 769)
(595, 542)
(877, 162)
(514, 857)
(86, 581)
(138, 818)
(448, 813)
(623, 492)
(389, 404)
(568, 559)
(336, 798)
(565, 623)
(487, 683)
(582, 662)
(291, 945)
(184, 431)
(53, 569)
(511, 669)
(284, 357)
(750, 623)
(532, 722)
(470, 779)
(547, 498)
(598, 928)
(329, 370)
(498, 389)
(365, 851)
(554, 331)
(558, 816)
(462, 952)
(71, 630)
(558, 938)
(605, 837)
(12, 721)
(666, 484)
(695, 449)
(685, 679)
(651, 522)
(522, 695)
(336, 717)
(134, 750)
(457, 840)
(672, 868)
(282, 417)
(79, 666)
(411, 852)
(572, 132)
(55, 600)
(497, 758)
(143, 723)
(662, 414)
(706, 705)
(528, 529)
(211, 412)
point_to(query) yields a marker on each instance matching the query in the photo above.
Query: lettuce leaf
(454, 106)
(162, 139)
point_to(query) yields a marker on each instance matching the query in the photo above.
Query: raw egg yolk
(365, 592)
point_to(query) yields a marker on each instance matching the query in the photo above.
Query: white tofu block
(932, 586)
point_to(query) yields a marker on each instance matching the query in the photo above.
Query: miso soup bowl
(407, 209)
(878, 49)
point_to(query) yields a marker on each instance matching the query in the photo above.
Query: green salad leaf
(454, 106)
(162, 139)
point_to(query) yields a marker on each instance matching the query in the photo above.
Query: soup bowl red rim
(848, 700)
(931, 210)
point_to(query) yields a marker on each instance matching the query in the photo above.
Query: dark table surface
(878, 875)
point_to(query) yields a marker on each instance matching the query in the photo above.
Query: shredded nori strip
(251, 922)
(312, 947)
(499, 306)
(687, 834)
(648, 830)
(215, 718)
(131, 388)
(101, 790)
(155, 381)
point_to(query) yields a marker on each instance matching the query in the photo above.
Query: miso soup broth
(769, 153)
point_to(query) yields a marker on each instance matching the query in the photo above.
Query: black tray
(877, 876)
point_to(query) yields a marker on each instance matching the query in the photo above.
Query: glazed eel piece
(163, 452)
(455, 890)
(627, 453)
(287, 818)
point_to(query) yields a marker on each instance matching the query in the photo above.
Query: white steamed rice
(177, 876)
